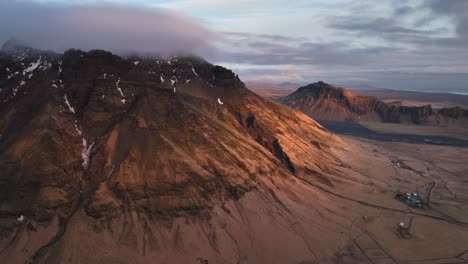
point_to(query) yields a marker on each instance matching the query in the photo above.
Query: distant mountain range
(324, 101)
(437, 100)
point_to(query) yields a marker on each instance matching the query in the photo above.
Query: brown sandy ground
(440, 175)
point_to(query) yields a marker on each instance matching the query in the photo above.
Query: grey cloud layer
(376, 26)
(422, 46)
(258, 51)
(391, 27)
(111, 27)
(457, 9)
(405, 46)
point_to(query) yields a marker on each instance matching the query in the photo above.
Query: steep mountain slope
(91, 141)
(323, 101)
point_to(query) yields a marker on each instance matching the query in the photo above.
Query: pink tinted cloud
(112, 27)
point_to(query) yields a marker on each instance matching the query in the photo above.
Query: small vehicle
(411, 199)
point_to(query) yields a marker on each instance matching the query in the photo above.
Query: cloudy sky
(408, 45)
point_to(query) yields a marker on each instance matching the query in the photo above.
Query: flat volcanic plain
(429, 161)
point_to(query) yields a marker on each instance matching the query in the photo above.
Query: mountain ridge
(323, 101)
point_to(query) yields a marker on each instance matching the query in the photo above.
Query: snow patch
(136, 62)
(175, 89)
(65, 98)
(220, 102)
(120, 90)
(110, 173)
(20, 57)
(15, 90)
(20, 219)
(194, 72)
(77, 129)
(33, 66)
(85, 153)
(162, 78)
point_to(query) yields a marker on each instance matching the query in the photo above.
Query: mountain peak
(319, 84)
(321, 88)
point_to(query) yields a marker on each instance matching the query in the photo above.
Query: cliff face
(323, 101)
(453, 116)
(454, 112)
(92, 142)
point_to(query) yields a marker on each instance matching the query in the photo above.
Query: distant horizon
(298, 84)
(355, 87)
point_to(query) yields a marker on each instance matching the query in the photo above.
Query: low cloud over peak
(111, 26)
(391, 44)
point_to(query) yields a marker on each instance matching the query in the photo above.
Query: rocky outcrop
(324, 101)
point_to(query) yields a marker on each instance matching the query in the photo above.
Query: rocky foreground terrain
(106, 159)
(323, 101)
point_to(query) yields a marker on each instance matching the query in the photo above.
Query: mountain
(168, 160)
(323, 101)
(106, 159)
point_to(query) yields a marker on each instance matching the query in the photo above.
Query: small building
(403, 231)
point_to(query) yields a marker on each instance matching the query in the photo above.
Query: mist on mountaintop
(118, 28)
